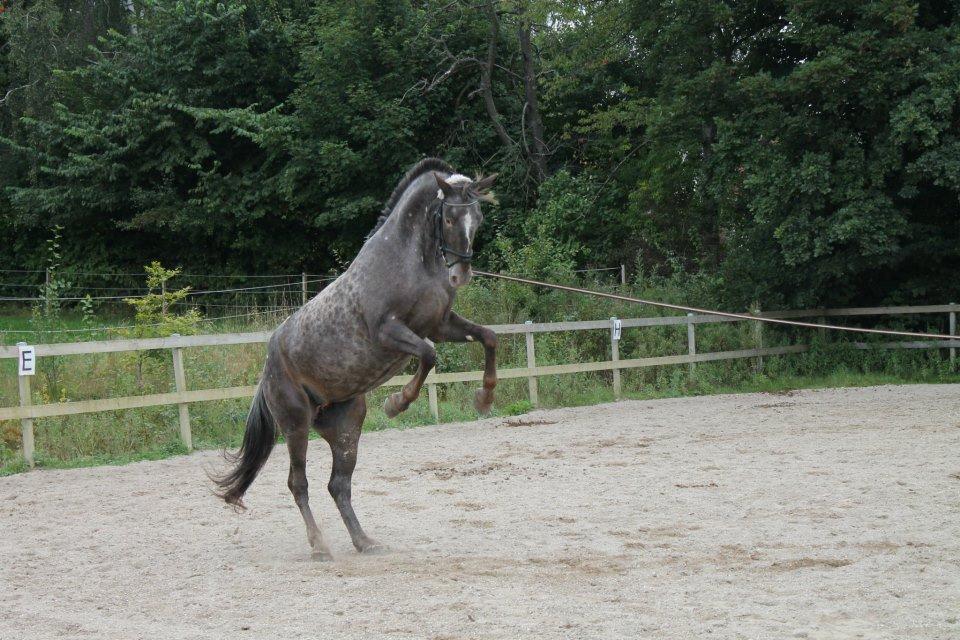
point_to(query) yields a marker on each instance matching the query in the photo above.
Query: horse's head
(458, 217)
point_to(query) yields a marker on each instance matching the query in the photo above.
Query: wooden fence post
(434, 403)
(953, 332)
(691, 341)
(531, 363)
(303, 286)
(615, 356)
(26, 424)
(757, 336)
(180, 379)
(623, 274)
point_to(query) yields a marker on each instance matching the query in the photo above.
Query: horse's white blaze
(468, 219)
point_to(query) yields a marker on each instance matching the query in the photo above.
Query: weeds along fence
(183, 396)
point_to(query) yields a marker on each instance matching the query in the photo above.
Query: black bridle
(465, 258)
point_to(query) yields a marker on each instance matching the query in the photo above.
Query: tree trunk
(710, 226)
(132, 9)
(538, 154)
(486, 75)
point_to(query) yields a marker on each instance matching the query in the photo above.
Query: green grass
(124, 436)
(43, 462)
(454, 407)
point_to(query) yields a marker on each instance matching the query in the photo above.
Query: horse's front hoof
(321, 555)
(394, 405)
(483, 401)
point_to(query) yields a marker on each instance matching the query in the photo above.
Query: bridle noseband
(443, 249)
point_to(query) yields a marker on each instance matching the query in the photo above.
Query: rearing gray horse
(387, 307)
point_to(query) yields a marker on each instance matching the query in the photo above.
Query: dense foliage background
(793, 152)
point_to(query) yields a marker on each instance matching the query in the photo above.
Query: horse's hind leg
(297, 481)
(340, 426)
(293, 411)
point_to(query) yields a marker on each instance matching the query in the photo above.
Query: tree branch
(458, 63)
(4, 99)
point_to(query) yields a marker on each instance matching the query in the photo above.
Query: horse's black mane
(417, 170)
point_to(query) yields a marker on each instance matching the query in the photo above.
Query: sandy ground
(820, 514)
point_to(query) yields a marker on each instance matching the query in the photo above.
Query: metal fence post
(434, 403)
(26, 424)
(615, 356)
(46, 291)
(691, 341)
(180, 379)
(757, 336)
(953, 332)
(531, 364)
(303, 286)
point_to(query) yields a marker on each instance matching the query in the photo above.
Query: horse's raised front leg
(459, 329)
(397, 336)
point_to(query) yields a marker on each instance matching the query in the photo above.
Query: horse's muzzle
(460, 275)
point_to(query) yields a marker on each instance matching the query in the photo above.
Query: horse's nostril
(454, 279)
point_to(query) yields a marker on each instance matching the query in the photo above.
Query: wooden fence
(27, 412)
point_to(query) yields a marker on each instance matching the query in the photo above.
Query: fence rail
(27, 412)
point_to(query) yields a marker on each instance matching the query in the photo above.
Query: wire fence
(114, 287)
(65, 290)
(241, 276)
(263, 313)
(102, 295)
(107, 292)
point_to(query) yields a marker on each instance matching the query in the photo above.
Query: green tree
(146, 143)
(837, 172)
(796, 153)
(155, 315)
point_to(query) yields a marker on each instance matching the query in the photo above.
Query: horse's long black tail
(258, 441)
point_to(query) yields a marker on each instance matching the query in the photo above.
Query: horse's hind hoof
(372, 548)
(393, 405)
(483, 401)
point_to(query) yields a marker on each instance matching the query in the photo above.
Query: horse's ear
(481, 188)
(445, 187)
(484, 184)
